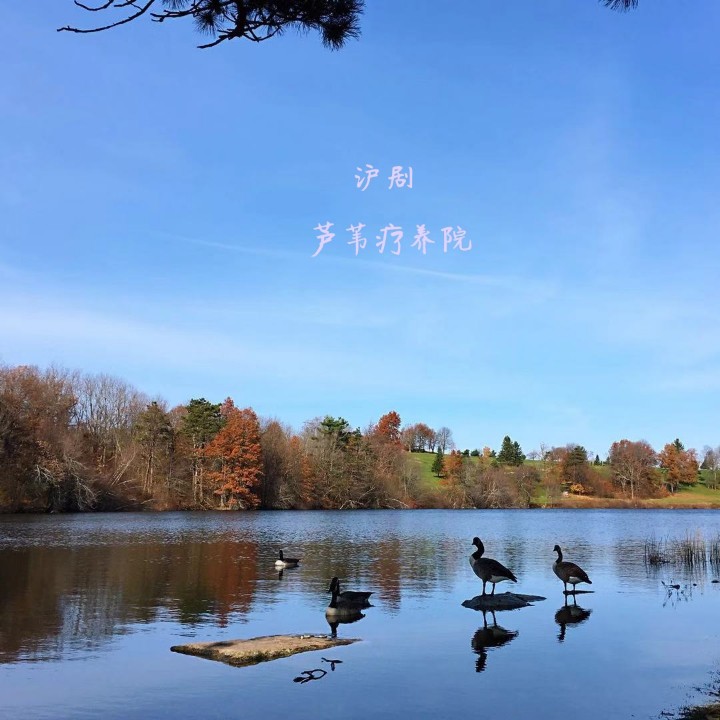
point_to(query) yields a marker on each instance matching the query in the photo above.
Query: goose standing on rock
(569, 572)
(349, 596)
(488, 570)
(283, 562)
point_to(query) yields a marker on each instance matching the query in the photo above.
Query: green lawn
(687, 496)
(424, 461)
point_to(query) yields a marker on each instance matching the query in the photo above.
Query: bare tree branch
(126, 20)
(105, 6)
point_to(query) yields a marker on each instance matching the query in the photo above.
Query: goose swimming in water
(569, 572)
(342, 611)
(283, 562)
(488, 570)
(349, 596)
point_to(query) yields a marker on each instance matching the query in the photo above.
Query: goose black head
(557, 549)
(477, 542)
(333, 584)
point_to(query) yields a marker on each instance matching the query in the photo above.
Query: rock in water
(260, 649)
(501, 601)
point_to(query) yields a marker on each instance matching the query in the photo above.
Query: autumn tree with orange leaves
(680, 465)
(418, 437)
(452, 479)
(235, 457)
(633, 467)
(388, 428)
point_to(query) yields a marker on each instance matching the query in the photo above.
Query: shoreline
(610, 505)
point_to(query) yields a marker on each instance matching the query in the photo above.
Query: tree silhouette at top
(257, 20)
(337, 21)
(621, 5)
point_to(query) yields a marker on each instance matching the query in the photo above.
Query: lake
(90, 605)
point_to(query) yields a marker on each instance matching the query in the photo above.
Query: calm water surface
(90, 605)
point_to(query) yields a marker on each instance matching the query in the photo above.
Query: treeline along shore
(71, 441)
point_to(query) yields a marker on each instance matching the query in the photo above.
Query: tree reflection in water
(54, 599)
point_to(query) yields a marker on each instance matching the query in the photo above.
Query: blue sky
(159, 201)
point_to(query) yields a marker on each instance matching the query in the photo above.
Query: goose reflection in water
(489, 636)
(571, 614)
(345, 619)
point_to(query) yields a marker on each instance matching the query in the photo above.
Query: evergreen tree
(337, 21)
(510, 453)
(155, 435)
(519, 455)
(574, 465)
(202, 422)
(597, 460)
(337, 427)
(438, 462)
(506, 451)
(577, 455)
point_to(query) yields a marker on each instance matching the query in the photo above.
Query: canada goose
(488, 570)
(283, 562)
(569, 572)
(341, 611)
(349, 596)
(486, 637)
(570, 615)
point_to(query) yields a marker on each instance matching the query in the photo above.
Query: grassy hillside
(691, 496)
(698, 496)
(424, 461)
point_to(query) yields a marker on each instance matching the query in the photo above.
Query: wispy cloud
(230, 247)
(540, 289)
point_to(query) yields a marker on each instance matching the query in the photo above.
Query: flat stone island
(501, 601)
(261, 649)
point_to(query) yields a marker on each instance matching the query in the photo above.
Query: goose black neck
(559, 553)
